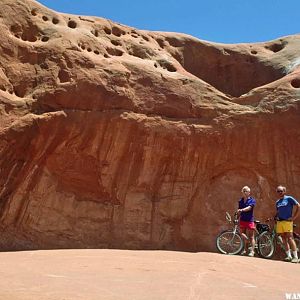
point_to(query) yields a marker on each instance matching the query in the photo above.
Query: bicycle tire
(265, 244)
(228, 242)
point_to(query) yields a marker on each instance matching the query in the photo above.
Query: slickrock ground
(143, 275)
(113, 137)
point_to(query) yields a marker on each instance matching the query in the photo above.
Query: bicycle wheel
(229, 242)
(266, 248)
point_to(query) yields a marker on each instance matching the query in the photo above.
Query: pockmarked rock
(114, 137)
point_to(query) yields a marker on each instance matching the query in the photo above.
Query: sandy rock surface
(113, 137)
(143, 275)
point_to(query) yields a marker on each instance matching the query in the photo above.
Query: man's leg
(252, 241)
(292, 244)
(285, 241)
(281, 230)
(245, 238)
(286, 246)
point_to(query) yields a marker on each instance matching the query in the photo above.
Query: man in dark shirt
(247, 226)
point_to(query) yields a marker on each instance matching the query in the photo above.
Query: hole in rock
(140, 54)
(253, 52)
(140, 51)
(20, 90)
(106, 55)
(167, 65)
(18, 95)
(295, 83)
(72, 24)
(89, 50)
(95, 33)
(55, 21)
(16, 29)
(107, 30)
(34, 12)
(45, 18)
(276, 47)
(145, 38)
(44, 65)
(234, 75)
(116, 43)
(29, 33)
(117, 31)
(171, 68)
(114, 52)
(161, 43)
(63, 76)
(30, 38)
(97, 52)
(45, 39)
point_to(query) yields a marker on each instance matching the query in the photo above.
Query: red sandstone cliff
(115, 137)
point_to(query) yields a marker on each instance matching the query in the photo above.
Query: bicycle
(230, 241)
(269, 241)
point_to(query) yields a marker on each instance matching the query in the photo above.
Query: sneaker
(288, 258)
(294, 260)
(243, 252)
(251, 253)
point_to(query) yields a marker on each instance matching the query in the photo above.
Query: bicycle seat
(256, 221)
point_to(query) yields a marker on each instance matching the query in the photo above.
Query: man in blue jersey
(285, 218)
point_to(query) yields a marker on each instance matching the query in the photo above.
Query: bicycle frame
(276, 240)
(230, 241)
(235, 228)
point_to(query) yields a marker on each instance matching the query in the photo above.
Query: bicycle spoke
(265, 245)
(229, 243)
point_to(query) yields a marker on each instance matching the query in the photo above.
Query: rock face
(120, 138)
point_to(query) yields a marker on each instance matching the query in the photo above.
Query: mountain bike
(230, 241)
(269, 241)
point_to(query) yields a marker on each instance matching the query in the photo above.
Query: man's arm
(296, 212)
(248, 208)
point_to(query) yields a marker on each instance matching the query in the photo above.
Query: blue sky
(223, 21)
